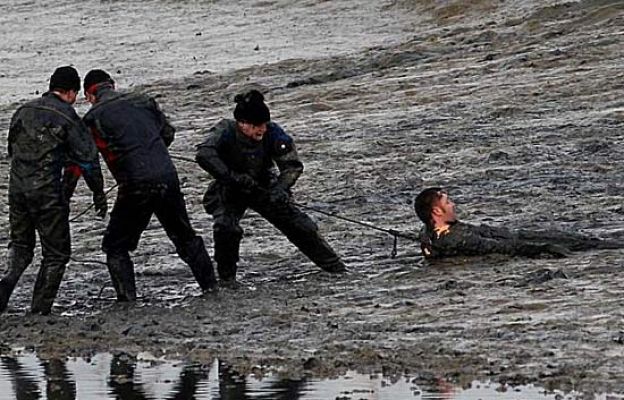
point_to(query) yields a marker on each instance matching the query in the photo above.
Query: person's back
(129, 133)
(133, 134)
(36, 146)
(45, 136)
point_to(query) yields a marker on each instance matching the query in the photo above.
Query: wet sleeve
(471, 244)
(286, 159)
(83, 158)
(167, 131)
(14, 128)
(208, 156)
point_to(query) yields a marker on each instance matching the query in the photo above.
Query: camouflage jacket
(227, 152)
(46, 136)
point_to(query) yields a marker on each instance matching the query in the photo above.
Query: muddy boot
(195, 255)
(5, 293)
(337, 267)
(46, 287)
(17, 261)
(226, 255)
(121, 270)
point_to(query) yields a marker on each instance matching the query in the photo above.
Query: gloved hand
(244, 181)
(100, 204)
(278, 194)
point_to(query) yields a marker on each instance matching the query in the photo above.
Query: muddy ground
(515, 107)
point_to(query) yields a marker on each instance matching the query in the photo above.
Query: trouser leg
(227, 210)
(171, 212)
(21, 246)
(121, 270)
(227, 246)
(53, 228)
(302, 232)
(128, 219)
(18, 259)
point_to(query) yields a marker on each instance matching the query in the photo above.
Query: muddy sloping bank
(519, 113)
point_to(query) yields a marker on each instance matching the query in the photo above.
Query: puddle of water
(107, 376)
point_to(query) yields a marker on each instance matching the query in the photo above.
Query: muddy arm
(285, 156)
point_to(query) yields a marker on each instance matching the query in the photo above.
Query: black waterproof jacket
(227, 153)
(132, 134)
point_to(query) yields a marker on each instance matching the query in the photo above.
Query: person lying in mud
(240, 154)
(443, 235)
(133, 134)
(46, 136)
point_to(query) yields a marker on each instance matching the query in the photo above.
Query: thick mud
(515, 107)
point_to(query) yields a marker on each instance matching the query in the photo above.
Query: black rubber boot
(197, 258)
(337, 267)
(46, 287)
(5, 293)
(18, 260)
(121, 270)
(226, 255)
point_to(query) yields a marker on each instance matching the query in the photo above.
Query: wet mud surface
(515, 107)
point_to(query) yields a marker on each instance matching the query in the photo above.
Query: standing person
(240, 154)
(133, 135)
(443, 235)
(45, 135)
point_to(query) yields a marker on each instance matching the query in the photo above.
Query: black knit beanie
(94, 78)
(65, 78)
(250, 108)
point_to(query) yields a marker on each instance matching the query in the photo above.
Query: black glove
(244, 182)
(100, 204)
(279, 194)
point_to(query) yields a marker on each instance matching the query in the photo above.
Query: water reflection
(123, 377)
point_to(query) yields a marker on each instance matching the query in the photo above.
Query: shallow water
(107, 376)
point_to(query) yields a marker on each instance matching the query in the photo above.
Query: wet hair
(94, 78)
(250, 107)
(65, 79)
(424, 203)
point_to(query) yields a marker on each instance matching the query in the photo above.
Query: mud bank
(515, 107)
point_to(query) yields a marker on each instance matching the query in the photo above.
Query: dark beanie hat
(95, 77)
(65, 78)
(250, 107)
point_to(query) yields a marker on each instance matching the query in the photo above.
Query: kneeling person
(445, 236)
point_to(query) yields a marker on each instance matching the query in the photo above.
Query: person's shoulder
(275, 131)
(224, 130)
(224, 126)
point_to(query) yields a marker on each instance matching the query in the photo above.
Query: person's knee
(305, 225)
(21, 254)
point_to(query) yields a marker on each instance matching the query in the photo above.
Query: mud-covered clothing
(463, 239)
(245, 175)
(45, 135)
(132, 134)
(228, 155)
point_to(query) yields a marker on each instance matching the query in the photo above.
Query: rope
(395, 234)
(83, 212)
